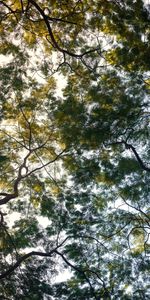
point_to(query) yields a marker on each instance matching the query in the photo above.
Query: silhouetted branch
(28, 255)
(53, 41)
(22, 259)
(79, 271)
(7, 196)
(132, 148)
(141, 163)
(46, 164)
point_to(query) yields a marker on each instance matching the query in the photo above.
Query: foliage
(74, 162)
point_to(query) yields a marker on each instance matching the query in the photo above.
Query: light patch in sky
(63, 276)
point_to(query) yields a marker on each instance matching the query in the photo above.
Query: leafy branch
(134, 151)
(10, 196)
(53, 40)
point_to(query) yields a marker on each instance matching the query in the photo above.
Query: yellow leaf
(37, 188)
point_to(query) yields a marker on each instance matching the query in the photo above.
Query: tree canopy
(74, 161)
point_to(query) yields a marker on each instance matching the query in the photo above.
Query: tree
(74, 167)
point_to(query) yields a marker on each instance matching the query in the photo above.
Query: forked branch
(53, 40)
(9, 196)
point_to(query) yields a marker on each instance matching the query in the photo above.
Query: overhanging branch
(132, 148)
(20, 177)
(53, 40)
(22, 259)
(28, 255)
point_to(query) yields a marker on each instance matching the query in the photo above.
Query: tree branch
(22, 8)
(79, 271)
(54, 42)
(9, 8)
(8, 197)
(129, 146)
(22, 259)
(46, 164)
(28, 255)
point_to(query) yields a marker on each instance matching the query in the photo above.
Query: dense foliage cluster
(74, 162)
